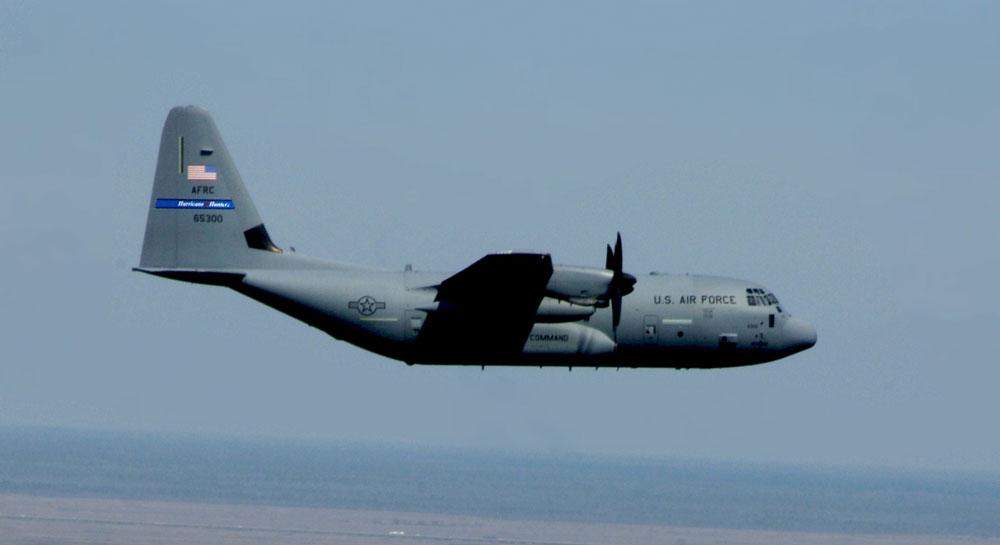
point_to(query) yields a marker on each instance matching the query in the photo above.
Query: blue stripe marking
(199, 204)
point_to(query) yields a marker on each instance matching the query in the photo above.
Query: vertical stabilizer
(200, 214)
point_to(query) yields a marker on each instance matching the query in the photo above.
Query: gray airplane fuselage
(680, 321)
(505, 309)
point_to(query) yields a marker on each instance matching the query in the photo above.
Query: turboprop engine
(580, 285)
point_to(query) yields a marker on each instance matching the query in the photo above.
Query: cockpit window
(758, 297)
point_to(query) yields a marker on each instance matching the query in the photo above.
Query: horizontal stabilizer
(214, 278)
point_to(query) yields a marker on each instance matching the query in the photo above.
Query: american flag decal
(202, 173)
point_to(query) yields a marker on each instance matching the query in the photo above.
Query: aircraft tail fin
(200, 214)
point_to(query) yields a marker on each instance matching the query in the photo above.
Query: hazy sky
(844, 154)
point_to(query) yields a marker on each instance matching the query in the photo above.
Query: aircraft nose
(801, 334)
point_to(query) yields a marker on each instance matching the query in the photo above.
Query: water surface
(500, 485)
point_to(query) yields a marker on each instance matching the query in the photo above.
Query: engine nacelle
(553, 311)
(580, 285)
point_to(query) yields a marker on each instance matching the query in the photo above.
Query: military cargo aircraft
(505, 309)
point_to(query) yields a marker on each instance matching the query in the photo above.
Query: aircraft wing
(488, 307)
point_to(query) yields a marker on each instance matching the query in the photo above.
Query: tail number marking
(208, 218)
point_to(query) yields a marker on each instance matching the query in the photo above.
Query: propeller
(622, 283)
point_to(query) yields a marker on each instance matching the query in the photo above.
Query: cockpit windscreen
(757, 297)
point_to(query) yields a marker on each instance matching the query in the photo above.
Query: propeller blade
(618, 254)
(616, 307)
(622, 283)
